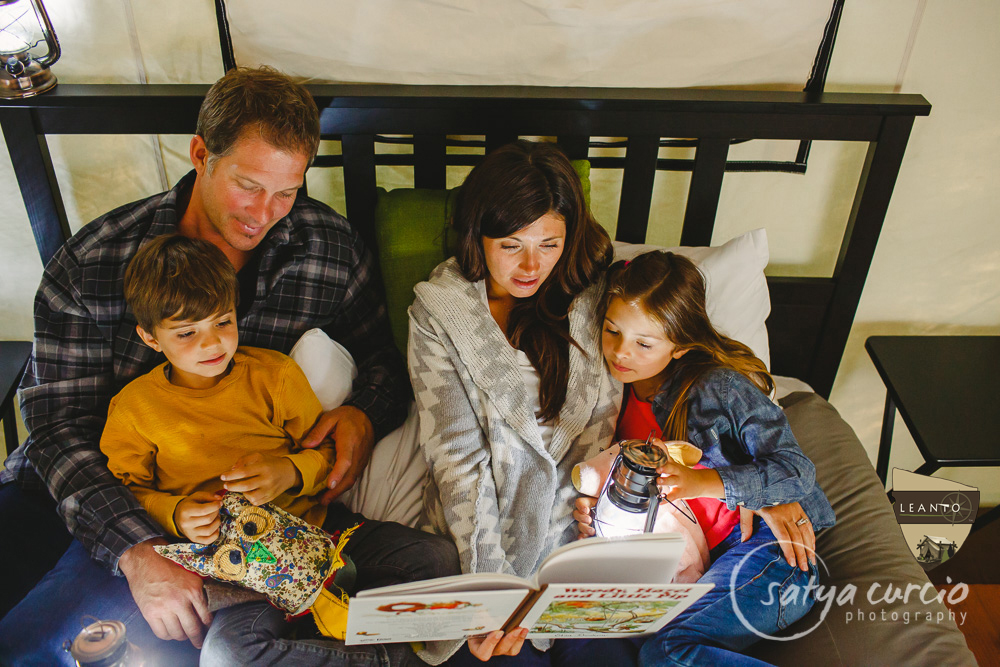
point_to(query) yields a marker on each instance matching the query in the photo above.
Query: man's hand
(170, 598)
(197, 517)
(354, 438)
(261, 477)
(797, 542)
(497, 643)
(581, 512)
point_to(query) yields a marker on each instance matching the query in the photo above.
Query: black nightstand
(13, 358)
(947, 390)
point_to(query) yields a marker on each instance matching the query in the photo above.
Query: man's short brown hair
(261, 100)
(175, 276)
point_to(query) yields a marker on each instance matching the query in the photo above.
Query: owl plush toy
(295, 565)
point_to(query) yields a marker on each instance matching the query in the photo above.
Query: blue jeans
(612, 652)
(34, 631)
(710, 631)
(54, 612)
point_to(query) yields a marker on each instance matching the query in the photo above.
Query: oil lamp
(23, 26)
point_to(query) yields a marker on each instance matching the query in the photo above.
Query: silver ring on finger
(803, 521)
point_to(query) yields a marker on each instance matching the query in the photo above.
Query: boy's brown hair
(175, 276)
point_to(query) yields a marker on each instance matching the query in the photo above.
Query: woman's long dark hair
(670, 289)
(509, 190)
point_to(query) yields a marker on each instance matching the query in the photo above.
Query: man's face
(244, 193)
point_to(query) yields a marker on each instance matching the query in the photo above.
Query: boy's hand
(262, 477)
(682, 482)
(581, 512)
(197, 517)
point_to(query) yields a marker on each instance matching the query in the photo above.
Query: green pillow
(412, 231)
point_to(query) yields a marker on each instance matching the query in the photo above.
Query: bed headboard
(810, 317)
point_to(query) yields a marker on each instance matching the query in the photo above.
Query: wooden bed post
(871, 201)
(29, 153)
(359, 185)
(703, 193)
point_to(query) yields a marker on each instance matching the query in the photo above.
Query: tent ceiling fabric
(640, 43)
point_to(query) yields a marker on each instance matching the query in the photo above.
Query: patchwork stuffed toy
(295, 565)
(589, 476)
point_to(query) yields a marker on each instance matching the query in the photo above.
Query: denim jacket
(747, 440)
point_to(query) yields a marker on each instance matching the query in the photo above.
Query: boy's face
(199, 352)
(634, 345)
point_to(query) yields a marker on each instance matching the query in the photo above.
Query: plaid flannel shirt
(313, 271)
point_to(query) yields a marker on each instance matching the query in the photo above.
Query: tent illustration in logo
(935, 515)
(935, 549)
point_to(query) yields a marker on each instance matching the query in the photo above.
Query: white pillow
(391, 487)
(328, 366)
(737, 297)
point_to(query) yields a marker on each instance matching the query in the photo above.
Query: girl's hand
(262, 477)
(677, 481)
(797, 542)
(497, 643)
(581, 512)
(197, 517)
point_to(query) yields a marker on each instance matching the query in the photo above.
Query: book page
(480, 581)
(607, 610)
(647, 558)
(428, 616)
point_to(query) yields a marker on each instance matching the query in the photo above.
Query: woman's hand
(796, 538)
(262, 477)
(497, 643)
(677, 481)
(584, 521)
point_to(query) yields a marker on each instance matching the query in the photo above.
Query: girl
(689, 382)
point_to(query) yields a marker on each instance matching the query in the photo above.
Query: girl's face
(520, 263)
(635, 347)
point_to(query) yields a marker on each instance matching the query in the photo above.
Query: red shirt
(635, 423)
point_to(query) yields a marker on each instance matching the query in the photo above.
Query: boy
(216, 417)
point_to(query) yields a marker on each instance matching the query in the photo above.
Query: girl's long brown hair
(670, 289)
(509, 190)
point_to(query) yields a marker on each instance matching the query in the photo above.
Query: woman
(505, 360)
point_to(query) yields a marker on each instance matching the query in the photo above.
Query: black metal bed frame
(810, 317)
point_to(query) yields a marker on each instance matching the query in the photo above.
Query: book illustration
(622, 610)
(420, 607)
(600, 616)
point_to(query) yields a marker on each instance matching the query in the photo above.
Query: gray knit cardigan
(504, 498)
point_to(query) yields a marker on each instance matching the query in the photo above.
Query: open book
(598, 587)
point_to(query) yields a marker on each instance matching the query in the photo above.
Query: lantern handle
(50, 36)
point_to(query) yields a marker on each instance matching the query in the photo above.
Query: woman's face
(520, 263)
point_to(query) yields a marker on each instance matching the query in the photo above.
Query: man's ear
(199, 154)
(147, 338)
(679, 353)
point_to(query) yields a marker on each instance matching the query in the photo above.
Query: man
(300, 266)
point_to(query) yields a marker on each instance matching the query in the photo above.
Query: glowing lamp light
(629, 498)
(23, 26)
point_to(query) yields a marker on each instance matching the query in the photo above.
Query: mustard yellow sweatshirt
(166, 442)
